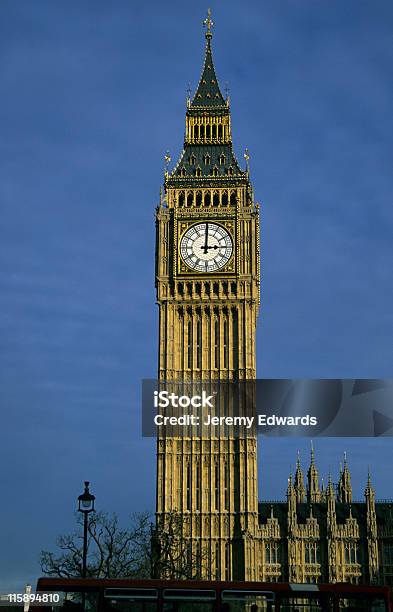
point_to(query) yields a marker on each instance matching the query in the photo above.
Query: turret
(331, 504)
(372, 543)
(344, 484)
(370, 507)
(291, 498)
(331, 530)
(313, 491)
(300, 488)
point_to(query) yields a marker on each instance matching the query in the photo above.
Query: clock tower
(207, 282)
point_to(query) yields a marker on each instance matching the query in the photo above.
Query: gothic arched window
(217, 486)
(199, 343)
(217, 556)
(188, 486)
(226, 485)
(189, 344)
(198, 486)
(226, 343)
(217, 343)
(227, 561)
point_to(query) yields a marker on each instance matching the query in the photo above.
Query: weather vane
(208, 23)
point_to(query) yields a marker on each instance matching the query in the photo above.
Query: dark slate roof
(384, 512)
(208, 92)
(199, 153)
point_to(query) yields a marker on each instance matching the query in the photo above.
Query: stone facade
(321, 535)
(207, 325)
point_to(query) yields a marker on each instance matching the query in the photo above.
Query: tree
(113, 552)
(174, 555)
(134, 552)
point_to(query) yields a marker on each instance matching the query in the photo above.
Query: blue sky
(92, 95)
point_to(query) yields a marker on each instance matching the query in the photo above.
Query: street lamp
(86, 505)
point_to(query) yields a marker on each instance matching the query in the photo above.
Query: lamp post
(86, 505)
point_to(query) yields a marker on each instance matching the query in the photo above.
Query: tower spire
(372, 532)
(208, 93)
(299, 482)
(313, 492)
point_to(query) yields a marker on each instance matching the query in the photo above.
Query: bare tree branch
(136, 551)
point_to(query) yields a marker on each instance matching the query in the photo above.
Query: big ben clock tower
(207, 281)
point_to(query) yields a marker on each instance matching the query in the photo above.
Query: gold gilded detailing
(183, 226)
(247, 158)
(208, 23)
(167, 159)
(208, 128)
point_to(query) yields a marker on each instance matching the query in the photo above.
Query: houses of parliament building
(208, 294)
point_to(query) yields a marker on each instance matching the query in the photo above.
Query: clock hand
(212, 247)
(205, 247)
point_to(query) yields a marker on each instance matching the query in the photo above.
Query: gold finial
(208, 23)
(247, 158)
(167, 159)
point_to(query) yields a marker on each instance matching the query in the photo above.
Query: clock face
(206, 247)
